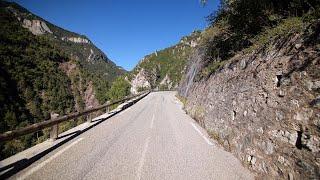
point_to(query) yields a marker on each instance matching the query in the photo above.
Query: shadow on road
(15, 167)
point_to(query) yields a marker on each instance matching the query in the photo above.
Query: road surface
(153, 139)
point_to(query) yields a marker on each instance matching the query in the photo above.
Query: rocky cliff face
(263, 106)
(166, 82)
(76, 40)
(82, 89)
(141, 80)
(36, 27)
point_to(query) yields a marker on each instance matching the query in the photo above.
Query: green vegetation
(182, 99)
(120, 88)
(211, 68)
(170, 61)
(248, 24)
(43, 74)
(140, 89)
(285, 28)
(32, 85)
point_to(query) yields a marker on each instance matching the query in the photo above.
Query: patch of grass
(182, 99)
(214, 135)
(211, 68)
(197, 114)
(284, 29)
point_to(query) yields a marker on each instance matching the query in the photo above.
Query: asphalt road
(153, 139)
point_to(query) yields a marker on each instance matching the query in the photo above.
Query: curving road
(153, 139)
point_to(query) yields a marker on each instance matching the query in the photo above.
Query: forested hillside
(164, 68)
(44, 70)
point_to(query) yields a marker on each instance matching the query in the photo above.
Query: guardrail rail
(54, 122)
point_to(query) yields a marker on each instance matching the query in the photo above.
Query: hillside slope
(164, 68)
(46, 70)
(255, 88)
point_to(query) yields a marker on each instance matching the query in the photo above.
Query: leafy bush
(119, 89)
(285, 28)
(211, 68)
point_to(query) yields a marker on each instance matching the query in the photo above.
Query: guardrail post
(108, 107)
(89, 116)
(54, 129)
(89, 119)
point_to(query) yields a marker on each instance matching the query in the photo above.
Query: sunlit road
(153, 139)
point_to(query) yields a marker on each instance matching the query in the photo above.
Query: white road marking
(41, 165)
(151, 125)
(202, 135)
(142, 159)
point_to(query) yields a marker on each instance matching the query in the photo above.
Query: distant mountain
(45, 69)
(163, 69)
(77, 46)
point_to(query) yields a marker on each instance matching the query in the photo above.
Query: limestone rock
(140, 81)
(76, 40)
(166, 82)
(36, 27)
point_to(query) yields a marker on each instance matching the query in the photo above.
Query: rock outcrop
(163, 68)
(36, 27)
(264, 106)
(166, 82)
(76, 40)
(75, 45)
(140, 81)
(89, 97)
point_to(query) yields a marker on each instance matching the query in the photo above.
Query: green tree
(120, 88)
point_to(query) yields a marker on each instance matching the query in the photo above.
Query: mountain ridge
(46, 70)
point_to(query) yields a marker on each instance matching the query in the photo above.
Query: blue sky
(126, 30)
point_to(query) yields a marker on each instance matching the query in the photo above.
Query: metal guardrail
(53, 123)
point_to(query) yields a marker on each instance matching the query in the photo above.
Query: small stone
(295, 102)
(315, 102)
(281, 159)
(285, 81)
(233, 115)
(304, 73)
(316, 85)
(292, 138)
(317, 122)
(269, 149)
(243, 64)
(309, 85)
(298, 46)
(281, 93)
(313, 144)
(253, 160)
(279, 115)
(260, 130)
(290, 176)
(245, 113)
(303, 115)
(313, 85)
(286, 136)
